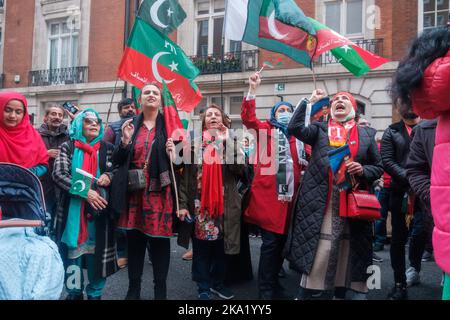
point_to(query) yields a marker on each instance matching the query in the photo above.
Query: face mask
(284, 118)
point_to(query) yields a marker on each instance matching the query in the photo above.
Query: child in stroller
(30, 264)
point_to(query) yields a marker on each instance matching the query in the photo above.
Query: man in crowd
(394, 153)
(54, 133)
(127, 110)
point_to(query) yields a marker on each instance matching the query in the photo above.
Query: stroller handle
(14, 223)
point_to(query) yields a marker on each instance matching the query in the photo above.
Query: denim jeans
(380, 225)
(74, 278)
(208, 264)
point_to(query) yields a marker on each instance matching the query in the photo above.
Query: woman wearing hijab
(272, 192)
(422, 82)
(209, 196)
(331, 252)
(146, 214)
(20, 143)
(84, 225)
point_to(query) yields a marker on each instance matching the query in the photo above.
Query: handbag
(136, 177)
(362, 205)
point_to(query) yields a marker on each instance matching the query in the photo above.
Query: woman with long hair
(145, 213)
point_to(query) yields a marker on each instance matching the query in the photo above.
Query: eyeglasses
(90, 121)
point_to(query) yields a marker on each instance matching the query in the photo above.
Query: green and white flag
(163, 15)
(81, 183)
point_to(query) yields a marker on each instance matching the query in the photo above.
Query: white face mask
(284, 118)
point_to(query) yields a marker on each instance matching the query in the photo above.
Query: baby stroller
(30, 264)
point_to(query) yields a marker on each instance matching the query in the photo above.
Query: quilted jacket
(303, 237)
(431, 100)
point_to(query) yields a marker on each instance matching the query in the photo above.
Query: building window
(435, 13)
(210, 18)
(63, 45)
(345, 17)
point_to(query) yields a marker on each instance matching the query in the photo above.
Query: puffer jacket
(431, 100)
(304, 234)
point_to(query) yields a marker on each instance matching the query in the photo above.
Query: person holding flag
(84, 227)
(331, 252)
(272, 191)
(145, 206)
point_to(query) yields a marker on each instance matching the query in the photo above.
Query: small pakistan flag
(163, 15)
(81, 184)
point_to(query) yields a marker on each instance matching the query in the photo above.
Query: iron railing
(61, 76)
(2, 80)
(373, 45)
(240, 61)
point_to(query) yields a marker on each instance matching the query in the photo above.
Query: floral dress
(206, 228)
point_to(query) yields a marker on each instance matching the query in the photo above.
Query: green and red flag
(151, 56)
(174, 126)
(257, 22)
(81, 183)
(356, 59)
(163, 15)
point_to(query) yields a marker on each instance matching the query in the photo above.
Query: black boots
(134, 290)
(398, 292)
(75, 297)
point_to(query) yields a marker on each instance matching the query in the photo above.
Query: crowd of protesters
(229, 187)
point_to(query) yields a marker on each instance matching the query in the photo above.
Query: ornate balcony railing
(58, 76)
(372, 45)
(240, 61)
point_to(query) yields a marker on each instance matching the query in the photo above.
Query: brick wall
(106, 39)
(18, 47)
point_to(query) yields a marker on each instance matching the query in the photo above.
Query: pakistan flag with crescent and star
(163, 15)
(81, 185)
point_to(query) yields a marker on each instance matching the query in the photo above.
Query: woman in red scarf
(332, 253)
(209, 197)
(20, 143)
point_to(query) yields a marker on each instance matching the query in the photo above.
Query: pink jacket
(431, 100)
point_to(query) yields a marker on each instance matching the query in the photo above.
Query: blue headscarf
(273, 119)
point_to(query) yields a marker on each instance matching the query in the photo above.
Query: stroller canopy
(21, 194)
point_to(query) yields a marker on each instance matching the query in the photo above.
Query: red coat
(264, 209)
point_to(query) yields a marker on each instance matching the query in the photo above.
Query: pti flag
(151, 56)
(174, 126)
(81, 183)
(356, 59)
(257, 22)
(164, 15)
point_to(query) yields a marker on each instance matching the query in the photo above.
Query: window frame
(71, 35)
(422, 12)
(343, 21)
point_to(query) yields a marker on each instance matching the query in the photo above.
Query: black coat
(307, 218)
(394, 151)
(418, 166)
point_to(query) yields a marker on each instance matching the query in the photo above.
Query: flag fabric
(151, 56)
(81, 184)
(163, 15)
(257, 22)
(171, 118)
(357, 60)
(337, 159)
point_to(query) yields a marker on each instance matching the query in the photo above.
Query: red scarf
(211, 201)
(337, 134)
(90, 164)
(21, 145)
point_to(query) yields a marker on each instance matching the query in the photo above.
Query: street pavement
(181, 287)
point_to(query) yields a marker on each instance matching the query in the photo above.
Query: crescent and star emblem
(154, 13)
(274, 32)
(82, 184)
